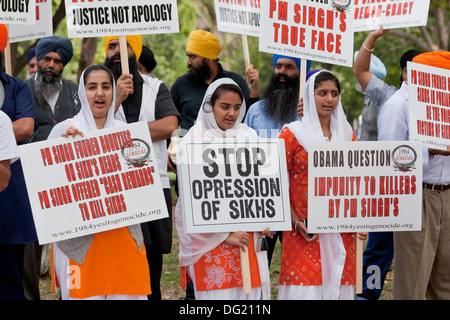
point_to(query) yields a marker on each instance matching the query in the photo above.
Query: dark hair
(226, 87)
(325, 76)
(97, 67)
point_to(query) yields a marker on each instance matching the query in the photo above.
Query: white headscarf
(307, 131)
(206, 125)
(84, 120)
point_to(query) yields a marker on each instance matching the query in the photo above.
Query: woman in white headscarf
(315, 266)
(212, 260)
(109, 265)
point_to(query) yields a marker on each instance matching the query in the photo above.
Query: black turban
(61, 46)
(147, 59)
(408, 56)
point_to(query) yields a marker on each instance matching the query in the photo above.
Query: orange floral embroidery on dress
(220, 268)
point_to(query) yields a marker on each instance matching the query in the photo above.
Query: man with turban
(54, 99)
(16, 220)
(31, 63)
(379, 251)
(187, 92)
(142, 98)
(147, 61)
(422, 257)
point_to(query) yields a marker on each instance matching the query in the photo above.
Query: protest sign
(43, 27)
(390, 14)
(365, 186)
(18, 11)
(320, 31)
(230, 185)
(99, 18)
(429, 105)
(105, 180)
(238, 16)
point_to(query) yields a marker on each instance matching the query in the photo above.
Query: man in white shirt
(421, 257)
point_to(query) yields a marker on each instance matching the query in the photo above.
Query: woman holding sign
(315, 266)
(107, 265)
(212, 260)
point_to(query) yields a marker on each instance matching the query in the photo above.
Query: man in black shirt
(187, 92)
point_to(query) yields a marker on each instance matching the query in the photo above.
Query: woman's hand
(238, 238)
(362, 235)
(266, 232)
(72, 131)
(301, 229)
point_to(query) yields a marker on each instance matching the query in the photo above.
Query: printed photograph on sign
(233, 185)
(429, 103)
(365, 186)
(105, 180)
(320, 31)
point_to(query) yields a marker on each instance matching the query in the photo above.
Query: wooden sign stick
(245, 267)
(359, 265)
(246, 53)
(124, 54)
(302, 77)
(8, 68)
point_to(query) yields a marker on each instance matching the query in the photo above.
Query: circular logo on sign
(404, 157)
(341, 5)
(138, 153)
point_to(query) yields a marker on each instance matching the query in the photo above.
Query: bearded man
(279, 106)
(55, 99)
(202, 53)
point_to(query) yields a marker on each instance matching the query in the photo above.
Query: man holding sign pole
(421, 257)
(379, 250)
(142, 98)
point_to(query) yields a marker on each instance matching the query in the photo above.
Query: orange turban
(204, 44)
(3, 37)
(438, 59)
(135, 43)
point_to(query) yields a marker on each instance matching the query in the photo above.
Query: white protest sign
(43, 27)
(365, 186)
(238, 16)
(390, 14)
(320, 31)
(97, 18)
(231, 185)
(429, 105)
(102, 181)
(18, 11)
